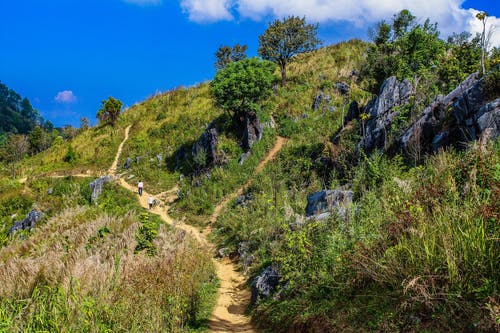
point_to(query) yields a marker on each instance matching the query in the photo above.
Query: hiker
(151, 201)
(139, 187)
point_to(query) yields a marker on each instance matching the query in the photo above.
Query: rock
(321, 203)
(29, 222)
(246, 258)
(320, 99)
(207, 144)
(392, 94)
(159, 157)
(343, 88)
(472, 117)
(197, 183)
(265, 284)
(223, 252)
(128, 163)
(352, 112)
(96, 186)
(50, 190)
(253, 130)
(138, 159)
(181, 177)
(243, 199)
(244, 157)
(270, 124)
(354, 72)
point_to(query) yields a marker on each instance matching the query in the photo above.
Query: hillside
(408, 241)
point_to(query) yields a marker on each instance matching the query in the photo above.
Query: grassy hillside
(418, 251)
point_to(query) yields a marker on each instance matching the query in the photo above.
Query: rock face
(207, 144)
(343, 88)
(245, 256)
(29, 222)
(461, 116)
(253, 130)
(96, 187)
(381, 111)
(265, 284)
(322, 203)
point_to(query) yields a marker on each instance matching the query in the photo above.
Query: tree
(109, 111)
(485, 38)
(14, 149)
(227, 54)
(284, 39)
(241, 85)
(84, 124)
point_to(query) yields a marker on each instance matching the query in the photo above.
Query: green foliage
(147, 233)
(109, 111)
(286, 38)
(242, 85)
(227, 54)
(70, 156)
(491, 84)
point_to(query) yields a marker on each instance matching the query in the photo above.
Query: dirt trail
(233, 297)
(270, 155)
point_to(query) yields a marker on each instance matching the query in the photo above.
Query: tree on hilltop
(109, 111)
(284, 39)
(241, 85)
(227, 54)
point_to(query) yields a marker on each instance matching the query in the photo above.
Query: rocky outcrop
(128, 163)
(343, 88)
(29, 222)
(319, 100)
(265, 284)
(96, 187)
(452, 120)
(245, 256)
(207, 145)
(321, 204)
(382, 110)
(253, 130)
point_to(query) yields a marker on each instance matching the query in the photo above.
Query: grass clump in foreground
(419, 250)
(83, 269)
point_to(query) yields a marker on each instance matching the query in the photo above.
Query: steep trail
(233, 297)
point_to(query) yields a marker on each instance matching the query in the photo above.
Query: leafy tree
(227, 54)
(284, 39)
(109, 111)
(14, 149)
(70, 156)
(241, 85)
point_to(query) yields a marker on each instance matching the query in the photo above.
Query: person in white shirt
(151, 201)
(140, 186)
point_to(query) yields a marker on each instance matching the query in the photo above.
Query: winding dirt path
(233, 297)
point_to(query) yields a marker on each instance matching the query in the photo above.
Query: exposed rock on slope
(321, 203)
(29, 222)
(461, 116)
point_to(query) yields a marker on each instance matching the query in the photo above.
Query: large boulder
(253, 130)
(452, 120)
(265, 284)
(207, 144)
(29, 222)
(382, 110)
(96, 186)
(322, 203)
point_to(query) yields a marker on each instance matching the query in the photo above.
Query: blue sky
(66, 56)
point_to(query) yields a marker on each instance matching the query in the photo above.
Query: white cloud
(207, 10)
(65, 96)
(449, 14)
(144, 2)
(492, 24)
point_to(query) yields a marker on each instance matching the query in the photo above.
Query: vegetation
(109, 111)
(286, 38)
(227, 54)
(242, 85)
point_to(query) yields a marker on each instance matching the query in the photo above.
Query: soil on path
(233, 297)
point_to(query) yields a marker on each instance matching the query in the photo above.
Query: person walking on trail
(151, 201)
(140, 186)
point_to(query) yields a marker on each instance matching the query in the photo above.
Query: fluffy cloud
(449, 14)
(65, 96)
(207, 10)
(144, 2)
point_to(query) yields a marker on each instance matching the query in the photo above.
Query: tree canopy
(241, 85)
(227, 54)
(109, 111)
(286, 38)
